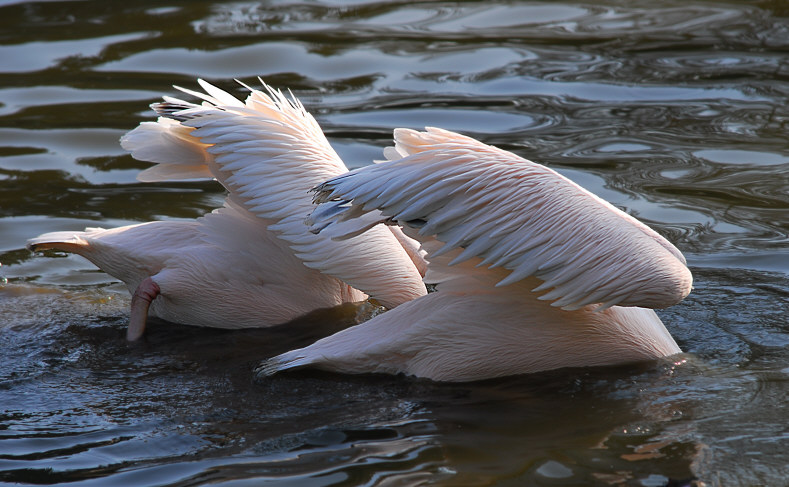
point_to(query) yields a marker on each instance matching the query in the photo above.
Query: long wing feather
(169, 144)
(503, 210)
(268, 152)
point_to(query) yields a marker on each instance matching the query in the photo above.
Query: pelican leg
(141, 300)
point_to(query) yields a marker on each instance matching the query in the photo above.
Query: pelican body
(531, 271)
(253, 262)
(222, 270)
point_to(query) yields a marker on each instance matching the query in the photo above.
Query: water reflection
(183, 407)
(207, 421)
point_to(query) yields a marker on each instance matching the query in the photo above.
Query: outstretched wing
(268, 152)
(469, 200)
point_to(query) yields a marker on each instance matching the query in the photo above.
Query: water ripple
(675, 113)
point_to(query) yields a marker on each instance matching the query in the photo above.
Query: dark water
(676, 112)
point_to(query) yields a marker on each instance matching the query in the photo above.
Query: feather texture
(269, 152)
(529, 268)
(512, 213)
(252, 263)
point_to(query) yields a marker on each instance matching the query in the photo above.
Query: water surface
(676, 113)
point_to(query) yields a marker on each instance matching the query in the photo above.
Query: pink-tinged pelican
(253, 262)
(532, 272)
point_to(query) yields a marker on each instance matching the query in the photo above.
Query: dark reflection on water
(676, 113)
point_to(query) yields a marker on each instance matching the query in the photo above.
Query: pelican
(252, 262)
(531, 271)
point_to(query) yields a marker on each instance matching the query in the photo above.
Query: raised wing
(268, 152)
(490, 205)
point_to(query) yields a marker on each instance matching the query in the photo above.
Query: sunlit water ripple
(676, 113)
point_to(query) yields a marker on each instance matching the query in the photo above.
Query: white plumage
(532, 271)
(252, 262)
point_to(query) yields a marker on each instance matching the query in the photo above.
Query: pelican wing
(483, 203)
(268, 152)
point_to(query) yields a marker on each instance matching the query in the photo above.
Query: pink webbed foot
(141, 301)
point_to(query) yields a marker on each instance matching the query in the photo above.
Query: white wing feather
(268, 152)
(167, 143)
(503, 210)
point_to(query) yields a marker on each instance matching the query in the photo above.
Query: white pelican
(254, 262)
(532, 272)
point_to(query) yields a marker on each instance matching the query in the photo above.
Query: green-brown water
(676, 112)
